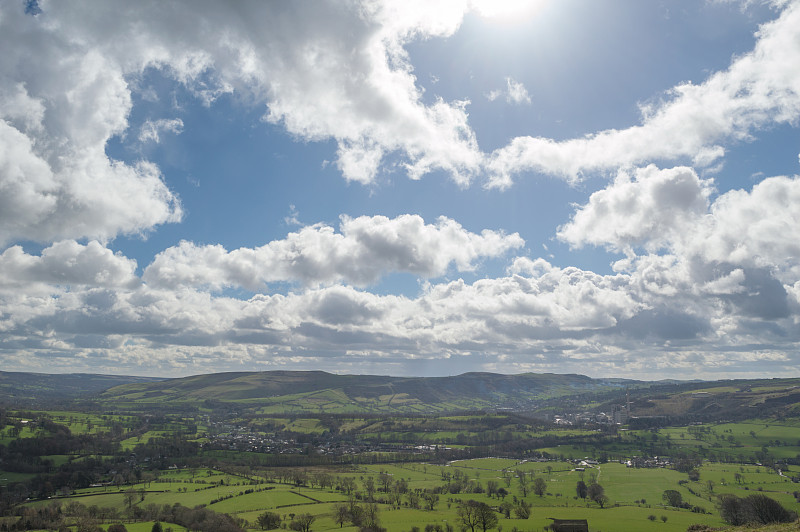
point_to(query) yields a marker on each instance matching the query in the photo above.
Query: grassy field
(634, 494)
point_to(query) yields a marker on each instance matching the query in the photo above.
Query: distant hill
(318, 391)
(30, 388)
(728, 399)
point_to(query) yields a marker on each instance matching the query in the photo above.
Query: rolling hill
(278, 392)
(317, 391)
(29, 388)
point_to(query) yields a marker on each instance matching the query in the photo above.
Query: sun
(507, 10)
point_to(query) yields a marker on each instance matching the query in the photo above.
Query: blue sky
(606, 188)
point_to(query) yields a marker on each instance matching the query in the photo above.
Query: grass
(492, 464)
(8, 477)
(626, 488)
(634, 494)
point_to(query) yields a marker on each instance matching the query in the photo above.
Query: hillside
(272, 392)
(734, 399)
(20, 387)
(318, 391)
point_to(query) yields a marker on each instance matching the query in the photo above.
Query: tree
(539, 486)
(341, 514)
(385, 481)
(269, 521)
(522, 510)
(672, 498)
(467, 515)
(486, 518)
(371, 520)
(117, 528)
(348, 485)
(157, 527)
(130, 496)
(595, 491)
(755, 509)
(355, 512)
(523, 483)
(731, 510)
(413, 499)
(369, 487)
(431, 500)
(302, 523)
(396, 494)
(87, 524)
(472, 514)
(764, 510)
(580, 489)
(601, 500)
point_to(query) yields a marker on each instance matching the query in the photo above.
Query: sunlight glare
(507, 10)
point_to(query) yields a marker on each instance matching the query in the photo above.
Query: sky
(417, 188)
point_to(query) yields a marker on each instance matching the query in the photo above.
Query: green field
(323, 460)
(634, 494)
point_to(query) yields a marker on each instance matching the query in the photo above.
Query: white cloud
(650, 209)
(68, 263)
(670, 210)
(152, 129)
(515, 93)
(511, 314)
(365, 249)
(539, 317)
(730, 264)
(755, 91)
(331, 71)
(751, 229)
(327, 71)
(56, 115)
(293, 218)
(755, 229)
(701, 275)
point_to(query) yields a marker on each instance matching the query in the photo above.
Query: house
(569, 525)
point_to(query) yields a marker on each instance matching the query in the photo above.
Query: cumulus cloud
(365, 249)
(56, 115)
(455, 317)
(725, 264)
(755, 91)
(537, 317)
(327, 71)
(701, 276)
(670, 209)
(331, 71)
(755, 228)
(650, 208)
(68, 263)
